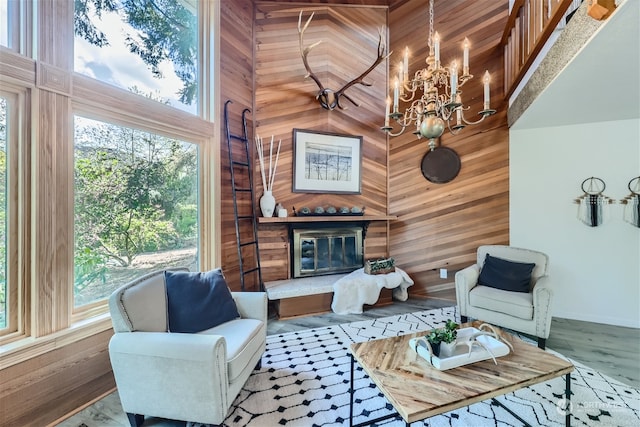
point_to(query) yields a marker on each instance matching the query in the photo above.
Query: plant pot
(435, 348)
(267, 204)
(447, 349)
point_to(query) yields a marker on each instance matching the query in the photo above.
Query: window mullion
(52, 164)
(53, 214)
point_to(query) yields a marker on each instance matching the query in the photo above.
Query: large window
(105, 147)
(136, 206)
(143, 46)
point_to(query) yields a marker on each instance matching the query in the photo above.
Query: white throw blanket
(357, 288)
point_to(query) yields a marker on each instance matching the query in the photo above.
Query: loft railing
(530, 24)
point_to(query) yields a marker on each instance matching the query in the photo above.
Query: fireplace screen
(326, 251)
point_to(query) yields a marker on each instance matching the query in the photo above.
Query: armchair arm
(161, 373)
(466, 279)
(542, 306)
(251, 305)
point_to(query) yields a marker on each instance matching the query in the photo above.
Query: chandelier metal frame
(441, 100)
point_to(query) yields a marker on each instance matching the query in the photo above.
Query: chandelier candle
(386, 117)
(405, 67)
(465, 57)
(436, 48)
(395, 95)
(454, 80)
(487, 91)
(434, 94)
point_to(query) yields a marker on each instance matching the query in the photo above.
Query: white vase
(267, 204)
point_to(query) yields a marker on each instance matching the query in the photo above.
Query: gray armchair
(527, 312)
(182, 376)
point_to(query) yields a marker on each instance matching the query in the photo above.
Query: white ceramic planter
(447, 349)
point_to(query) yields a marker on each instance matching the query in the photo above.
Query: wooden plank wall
(44, 388)
(285, 100)
(441, 225)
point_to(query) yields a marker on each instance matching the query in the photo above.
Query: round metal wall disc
(440, 165)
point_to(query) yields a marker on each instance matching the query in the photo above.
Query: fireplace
(331, 250)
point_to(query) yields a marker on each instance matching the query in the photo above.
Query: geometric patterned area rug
(305, 376)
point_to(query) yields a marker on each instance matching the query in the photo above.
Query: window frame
(195, 7)
(122, 118)
(20, 22)
(17, 212)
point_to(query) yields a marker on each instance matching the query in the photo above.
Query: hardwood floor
(612, 350)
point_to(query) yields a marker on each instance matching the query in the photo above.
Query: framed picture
(326, 162)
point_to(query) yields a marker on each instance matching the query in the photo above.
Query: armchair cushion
(516, 304)
(506, 275)
(191, 296)
(243, 339)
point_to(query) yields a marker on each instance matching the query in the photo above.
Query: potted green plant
(443, 340)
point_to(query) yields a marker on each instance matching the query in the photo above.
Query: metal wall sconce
(593, 205)
(632, 203)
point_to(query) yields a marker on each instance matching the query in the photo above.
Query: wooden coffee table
(418, 391)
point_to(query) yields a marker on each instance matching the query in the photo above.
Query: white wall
(595, 270)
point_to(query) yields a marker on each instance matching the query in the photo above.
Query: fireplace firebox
(323, 251)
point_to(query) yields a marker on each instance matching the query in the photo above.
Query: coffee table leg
(351, 394)
(516, 416)
(567, 395)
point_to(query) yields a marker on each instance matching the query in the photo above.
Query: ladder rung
(253, 242)
(238, 137)
(239, 163)
(244, 190)
(245, 216)
(250, 270)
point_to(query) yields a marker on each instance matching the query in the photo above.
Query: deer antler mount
(328, 98)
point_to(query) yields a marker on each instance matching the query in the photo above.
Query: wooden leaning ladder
(248, 250)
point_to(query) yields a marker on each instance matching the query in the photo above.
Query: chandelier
(434, 93)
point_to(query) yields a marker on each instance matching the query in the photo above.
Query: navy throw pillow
(198, 301)
(506, 275)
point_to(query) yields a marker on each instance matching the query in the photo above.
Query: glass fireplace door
(326, 251)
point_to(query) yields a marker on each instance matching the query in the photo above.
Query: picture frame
(325, 162)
